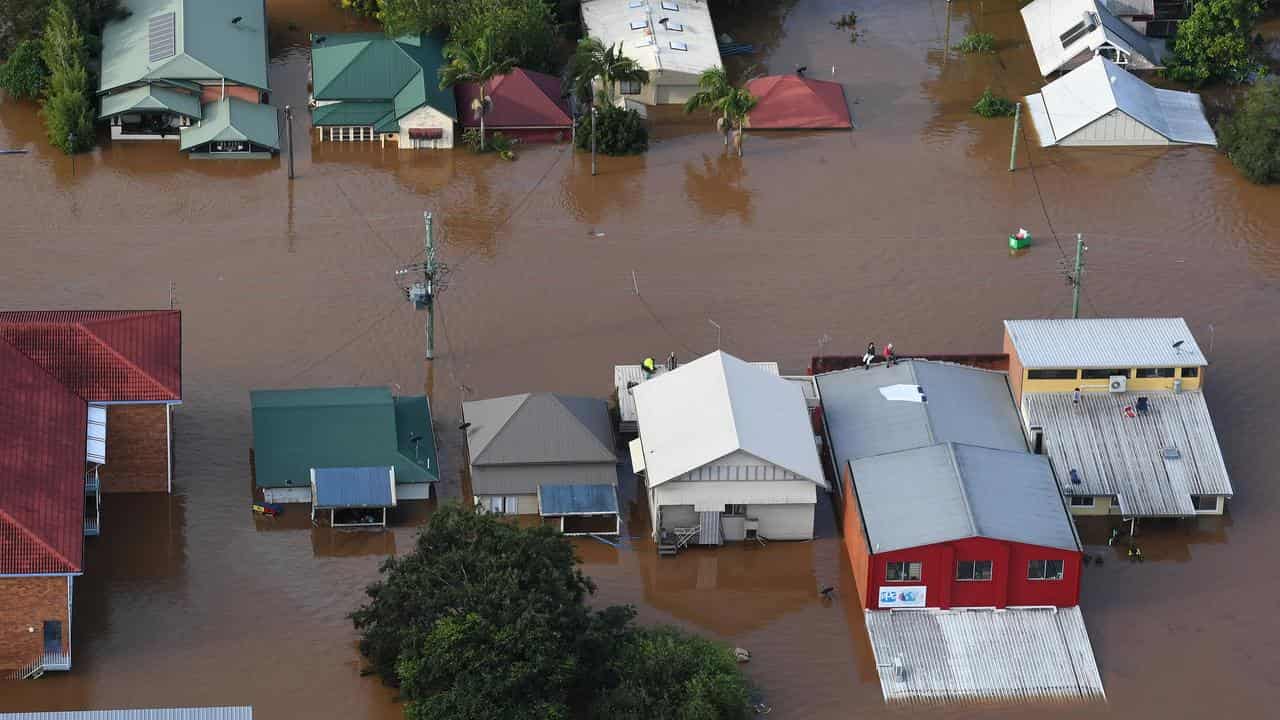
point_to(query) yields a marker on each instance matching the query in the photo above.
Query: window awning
(426, 133)
(556, 500)
(353, 487)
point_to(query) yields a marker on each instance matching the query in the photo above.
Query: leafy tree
(592, 61)
(64, 45)
(713, 87)
(619, 131)
(666, 674)
(990, 105)
(524, 30)
(68, 109)
(23, 75)
(366, 8)
(1215, 43)
(20, 20)
(477, 63)
(1251, 137)
(734, 109)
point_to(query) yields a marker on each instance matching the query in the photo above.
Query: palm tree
(593, 61)
(713, 87)
(734, 108)
(478, 63)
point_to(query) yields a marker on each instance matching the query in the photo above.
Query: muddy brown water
(893, 232)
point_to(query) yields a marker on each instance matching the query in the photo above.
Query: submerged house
(673, 40)
(727, 452)
(1068, 33)
(524, 105)
(67, 378)
(1099, 104)
(367, 86)
(544, 454)
(793, 102)
(299, 434)
(1138, 440)
(190, 71)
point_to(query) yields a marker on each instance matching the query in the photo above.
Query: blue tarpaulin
(577, 500)
(353, 487)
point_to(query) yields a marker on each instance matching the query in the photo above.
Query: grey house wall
(525, 479)
(1114, 128)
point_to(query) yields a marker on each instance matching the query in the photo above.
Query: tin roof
(1102, 343)
(151, 97)
(634, 25)
(538, 428)
(353, 487)
(232, 119)
(210, 713)
(103, 356)
(717, 406)
(371, 67)
(520, 99)
(967, 655)
(296, 430)
(1047, 21)
(788, 102)
(948, 492)
(577, 500)
(1115, 454)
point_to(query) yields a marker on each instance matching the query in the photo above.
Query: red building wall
(137, 449)
(855, 539)
(1008, 584)
(25, 603)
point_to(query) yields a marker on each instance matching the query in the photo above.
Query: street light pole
(71, 150)
(288, 130)
(593, 138)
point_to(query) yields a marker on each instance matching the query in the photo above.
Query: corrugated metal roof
(344, 114)
(948, 492)
(625, 375)
(212, 713)
(1048, 20)
(719, 405)
(650, 44)
(538, 428)
(151, 97)
(1098, 87)
(353, 487)
(520, 99)
(371, 67)
(1104, 343)
(577, 500)
(1004, 655)
(963, 405)
(296, 430)
(1114, 454)
(232, 119)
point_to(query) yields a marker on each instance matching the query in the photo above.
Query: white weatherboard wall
(426, 117)
(784, 507)
(1114, 128)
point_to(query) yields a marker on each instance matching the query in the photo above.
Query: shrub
(977, 43)
(24, 74)
(1251, 137)
(619, 131)
(497, 142)
(364, 8)
(524, 30)
(1215, 43)
(990, 105)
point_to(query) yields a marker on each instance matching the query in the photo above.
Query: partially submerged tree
(734, 108)
(592, 62)
(24, 75)
(618, 131)
(67, 111)
(1216, 42)
(713, 88)
(478, 63)
(524, 30)
(1251, 137)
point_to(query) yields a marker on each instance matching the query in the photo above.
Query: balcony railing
(56, 661)
(91, 526)
(91, 482)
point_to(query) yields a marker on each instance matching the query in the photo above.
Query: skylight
(670, 5)
(675, 27)
(639, 24)
(677, 45)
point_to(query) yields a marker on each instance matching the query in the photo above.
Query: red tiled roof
(42, 464)
(521, 99)
(791, 102)
(103, 356)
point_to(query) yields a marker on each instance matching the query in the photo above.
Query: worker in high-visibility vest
(649, 366)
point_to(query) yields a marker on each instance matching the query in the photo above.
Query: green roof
(373, 68)
(150, 97)
(186, 40)
(351, 113)
(296, 430)
(234, 119)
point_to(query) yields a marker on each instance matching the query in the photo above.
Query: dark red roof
(521, 99)
(791, 102)
(42, 464)
(103, 356)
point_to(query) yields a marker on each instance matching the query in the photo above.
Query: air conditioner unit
(1118, 383)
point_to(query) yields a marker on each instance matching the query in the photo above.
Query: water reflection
(716, 186)
(328, 542)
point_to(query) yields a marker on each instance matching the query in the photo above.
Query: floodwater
(894, 232)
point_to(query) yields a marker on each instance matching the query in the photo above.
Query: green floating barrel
(1019, 243)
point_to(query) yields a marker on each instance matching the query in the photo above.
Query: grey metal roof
(1047, 20)
(948, 492)
(537, 428)
(966, 655)
(212, 713)
(354, 487)
(1104, 343)
(963, 405)
(577, 500)
(1114, 454)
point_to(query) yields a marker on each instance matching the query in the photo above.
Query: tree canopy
(24, 75)
(593, 61)
(1216, 42)
(523, 30)
(1251, 137)
(485, 619)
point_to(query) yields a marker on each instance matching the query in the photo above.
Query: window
(1095, 374)
(735, 509)
(629, 87)
(500, 504)
(1154, 372)
(670, 5)
(677, 45)
(1078, 30)
(1191, 372)
(902, 572)
(675, 27)
(639, 24)
(1044, 570)
(973, 570)
(1051, 374)
(1081, 501)
(1205, 503)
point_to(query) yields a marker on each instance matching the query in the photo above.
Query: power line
(346, 344)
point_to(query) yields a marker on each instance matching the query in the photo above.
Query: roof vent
(161, 37)
(1171, 453)
(1075, 476)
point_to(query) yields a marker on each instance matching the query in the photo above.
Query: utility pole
(593, 138)
(428, 275)
(1013, 148)
(288, 130)
(1077, 278)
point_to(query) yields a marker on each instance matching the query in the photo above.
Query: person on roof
(649, 366)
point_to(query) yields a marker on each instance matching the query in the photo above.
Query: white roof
(1048, 20)
(650, 43)
(717, 406)
(1104, 343)
(1098, 87)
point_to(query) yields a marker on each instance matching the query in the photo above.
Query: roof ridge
(964, 489)
(4, 515)
(560, 402)
(928, 415)
(108, 347)
(505, 424)
(42, 369)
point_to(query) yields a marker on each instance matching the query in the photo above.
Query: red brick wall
(855, 539)
(26, 602)
(137, 449)
(213, 93)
